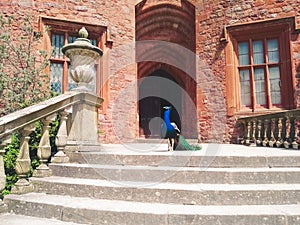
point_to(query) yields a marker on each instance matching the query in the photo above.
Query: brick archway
(164, 24)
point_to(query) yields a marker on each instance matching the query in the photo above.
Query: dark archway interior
(156, 91)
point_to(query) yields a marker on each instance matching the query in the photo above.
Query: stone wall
(118, 118)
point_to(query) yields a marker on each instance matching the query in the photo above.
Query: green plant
(22, 81)
(10, 156)
(12, 151)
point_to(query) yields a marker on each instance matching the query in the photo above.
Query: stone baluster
(279, 141)
(287, 141)
(266, 126)
(243, 140)
(23, 162)
(295, 144)
(61, 139)
(254, 131)
(5, 141)
(44, 149)
(248, 131)
(272, 141)
(258, 140)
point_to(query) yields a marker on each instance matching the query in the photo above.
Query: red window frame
(71, 28)
(274, 29)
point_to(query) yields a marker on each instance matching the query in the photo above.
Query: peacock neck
(167, 117)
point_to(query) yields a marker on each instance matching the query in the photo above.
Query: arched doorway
(157, 90)
(165, 55)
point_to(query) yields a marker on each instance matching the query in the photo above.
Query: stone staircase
(144, 184)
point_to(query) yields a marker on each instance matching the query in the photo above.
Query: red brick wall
(211, 18)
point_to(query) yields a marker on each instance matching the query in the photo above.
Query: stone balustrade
(78, 108)
(279, 129)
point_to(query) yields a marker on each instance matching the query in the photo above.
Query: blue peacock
(171, 132)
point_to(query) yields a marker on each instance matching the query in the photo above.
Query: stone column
(23, 163)
(61, 139)
(5, 141)
(44, 150)
(3, 144)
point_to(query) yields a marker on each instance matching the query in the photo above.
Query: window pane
(258, 52)
(57, 42)
(94, 42)
(275, 85)
(56, 72)
(71, 39)
(243, 53)
(245, 87)
(273, 52)
(259, 81)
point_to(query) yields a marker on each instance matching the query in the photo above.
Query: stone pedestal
(84, 123)
(23, 186)
(42, 171)
(60, 157)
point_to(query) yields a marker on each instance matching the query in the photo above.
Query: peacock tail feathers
(184, 145)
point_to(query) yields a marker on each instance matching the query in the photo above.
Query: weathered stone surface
(12, 219)
(191, 160)
(3, 207)
(171, 193)
(42, 171)
(60, 157)
(179, 174)
(84, 124)
(86, 210)
(156, 187)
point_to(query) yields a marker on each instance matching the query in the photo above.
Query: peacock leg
(172, 144)
(169, 144)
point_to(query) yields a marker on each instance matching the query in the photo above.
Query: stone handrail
(83, 108)
(280, 129)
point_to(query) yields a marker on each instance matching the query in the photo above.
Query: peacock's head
(167, 107)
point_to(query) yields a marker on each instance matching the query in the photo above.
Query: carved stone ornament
(83, 56)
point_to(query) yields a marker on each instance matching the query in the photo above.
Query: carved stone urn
(83, 56)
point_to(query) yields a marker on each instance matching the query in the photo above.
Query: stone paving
(140, 183)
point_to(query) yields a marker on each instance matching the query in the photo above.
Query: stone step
(13, 219)
(3, 207)
(100, 211)
(178, 174)
(211, 155)
(172, 193)
(188, 159)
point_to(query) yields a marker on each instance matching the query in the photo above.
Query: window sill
(248, 112)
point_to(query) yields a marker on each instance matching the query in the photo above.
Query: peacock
(171, 132)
